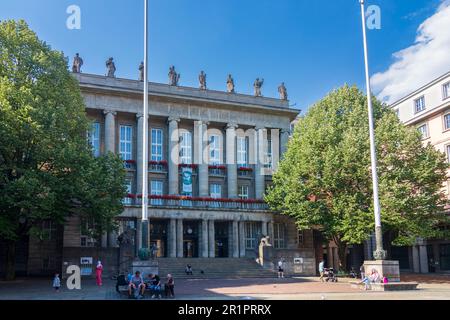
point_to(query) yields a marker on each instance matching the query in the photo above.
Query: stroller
(330, 276)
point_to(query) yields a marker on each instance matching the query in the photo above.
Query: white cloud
(425, 60)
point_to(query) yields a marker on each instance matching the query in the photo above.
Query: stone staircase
(214, 268)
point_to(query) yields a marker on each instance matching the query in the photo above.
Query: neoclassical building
(211, 157)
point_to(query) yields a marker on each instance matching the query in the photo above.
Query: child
(56, 282)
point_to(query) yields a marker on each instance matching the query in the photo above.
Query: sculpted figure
(202, 80)
(111, 68)
(174, 77)
(230, 84)
(283, 92)
(77, 63)
(141, 71)
(257, 85)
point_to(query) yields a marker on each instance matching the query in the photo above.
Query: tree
(47, 170)
(324, 180)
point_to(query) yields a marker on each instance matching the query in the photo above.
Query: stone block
(386, 268)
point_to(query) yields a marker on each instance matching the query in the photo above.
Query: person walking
(56, 282)
(280, 268)
(362, 272)
(321, 269)
(98, 273)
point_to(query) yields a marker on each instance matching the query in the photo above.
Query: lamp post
(145, 222)
(379, 253)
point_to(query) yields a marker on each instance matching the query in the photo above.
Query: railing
(129, 164)
(157, 166)
(194, 167)
(196, 202)
(217, 170)
(245, 171)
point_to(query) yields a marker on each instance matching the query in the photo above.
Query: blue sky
(312, 46)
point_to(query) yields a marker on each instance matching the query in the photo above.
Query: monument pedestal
(386, 268)
(145, 267)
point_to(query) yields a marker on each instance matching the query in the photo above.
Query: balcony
(173, 201)
(194, 167)
(217, 170)
(157, 166)
(129, 164)
(245, 171)
(129, 200)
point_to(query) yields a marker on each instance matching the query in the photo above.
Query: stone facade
(229, 143)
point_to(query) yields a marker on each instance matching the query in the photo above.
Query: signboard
(186, 176)
(86, 266)
(86, 260)
(298, 260)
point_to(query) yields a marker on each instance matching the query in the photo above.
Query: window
(243, 192)
(94, 138)
(47, 230)
(447, 121)
(126, 142)
(214, 150)
(279, 233)
(157, 145)
(186, 148)
(127, 201)
(87, 232)
(156, 189)
(252, 231)
(447, 150)
(242, 154)
(215, 190)
(423, 129)
(446, 90)
(419, 104)
(301, 238)
(268, 163)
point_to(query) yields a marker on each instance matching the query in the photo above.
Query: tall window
(268, 163)
(157, 145)
(419, 104)
(243, 192)
(423, 129)
(214, 150)
(126, 142)
(215, 190)
(126, 200)
(242, 154)
(94, 138)
(252, 231)
(447, 121)
(279, 234)
(156, 189)
(186, 147)
(447, 150)
(446, 90)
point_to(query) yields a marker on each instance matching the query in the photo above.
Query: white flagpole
(145, 231)
(379, 254)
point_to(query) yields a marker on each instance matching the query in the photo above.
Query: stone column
(270, 231)
(180, 238)
(423, 259)
(415, 259)
(174, 156)
(260, 145)
(205, 251)
(275, 137)
(139, 153)
(212, 239)
(200, 143)
(235, 238)
(172, 238)
(231, 160)
(110, 131)
(241, 239)
(284, 139)
(264, 230)
(138, 235)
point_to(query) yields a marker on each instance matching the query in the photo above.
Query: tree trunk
(10, 265)
(342, 254)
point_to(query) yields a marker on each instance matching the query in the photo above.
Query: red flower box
(184, 165)
(132, 196)
(247, 169)
(156, 163)
(130, 161)
(219, 167)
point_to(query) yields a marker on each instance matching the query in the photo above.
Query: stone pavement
(303, 288)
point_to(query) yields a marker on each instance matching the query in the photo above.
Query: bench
(391, 286)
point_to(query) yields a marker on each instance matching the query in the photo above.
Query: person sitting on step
(188, 270)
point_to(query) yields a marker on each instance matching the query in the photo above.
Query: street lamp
(379, 253)
(145, 222)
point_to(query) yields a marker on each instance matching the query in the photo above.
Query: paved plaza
(307, 288)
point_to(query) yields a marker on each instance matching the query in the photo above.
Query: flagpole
(379, 253)
(145, 222)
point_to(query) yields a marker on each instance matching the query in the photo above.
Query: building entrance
(158, 238)
(190, 239)
(221, 239)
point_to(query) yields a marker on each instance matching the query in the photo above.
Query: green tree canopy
(47, 170)
(324, 180)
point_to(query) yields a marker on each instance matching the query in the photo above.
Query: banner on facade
(186, 175)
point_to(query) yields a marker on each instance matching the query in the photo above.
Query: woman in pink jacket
(98, 273)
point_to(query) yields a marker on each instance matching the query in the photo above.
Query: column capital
(174, 118)
(232, 125)
(105, 112)
(139, 115)
(260, 127)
